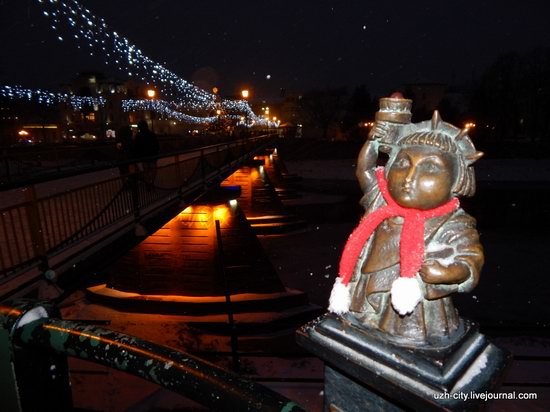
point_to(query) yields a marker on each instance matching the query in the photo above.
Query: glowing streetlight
(151, 93)
(218, 112)
(245, 93)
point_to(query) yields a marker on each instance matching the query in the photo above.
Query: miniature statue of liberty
(414, 246)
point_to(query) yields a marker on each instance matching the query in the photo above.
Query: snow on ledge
(34, 314)
(475, 369)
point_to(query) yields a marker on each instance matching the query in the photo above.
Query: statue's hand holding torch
(383, 134)
(394, 113)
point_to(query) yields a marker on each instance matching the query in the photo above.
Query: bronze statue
(414, 246)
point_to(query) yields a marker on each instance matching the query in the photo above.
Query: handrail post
(10, 394)
(133, 186)
(203, 171)
(31, 380)
(232, 326)
(35, 226)
(7, 163)
(57, 165)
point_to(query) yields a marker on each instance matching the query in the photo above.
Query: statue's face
(422, 177)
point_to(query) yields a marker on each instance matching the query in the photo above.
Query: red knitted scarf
(411, 243)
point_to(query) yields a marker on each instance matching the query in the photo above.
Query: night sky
(299, 44)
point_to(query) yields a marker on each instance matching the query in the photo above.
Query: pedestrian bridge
(56, 223)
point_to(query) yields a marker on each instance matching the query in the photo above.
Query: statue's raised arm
(366, 162)
(394, 115)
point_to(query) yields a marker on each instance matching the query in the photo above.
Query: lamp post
(151, 93)
(245, 93)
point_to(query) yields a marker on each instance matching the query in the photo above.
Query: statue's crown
(394, 109)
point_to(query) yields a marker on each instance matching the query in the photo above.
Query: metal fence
(19, 163)
(52, 216)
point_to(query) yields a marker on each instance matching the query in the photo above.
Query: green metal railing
(34, 375)
(51, 217)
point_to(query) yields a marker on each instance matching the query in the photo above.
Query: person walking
(146, 147)
(125, 148)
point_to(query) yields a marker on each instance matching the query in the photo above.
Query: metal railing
(34, 346)
(39, 222)
(21, 163)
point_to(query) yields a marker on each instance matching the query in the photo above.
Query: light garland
(160, 107)
(163, 108)
(50, 98)
(83, 26)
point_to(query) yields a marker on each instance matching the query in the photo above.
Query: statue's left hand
(435, 273)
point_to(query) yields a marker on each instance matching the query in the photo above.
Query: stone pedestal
(365, 371)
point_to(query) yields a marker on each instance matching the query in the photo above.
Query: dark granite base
(376, 374)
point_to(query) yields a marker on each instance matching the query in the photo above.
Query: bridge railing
(35, 344)
(19, 163)
(46, 224)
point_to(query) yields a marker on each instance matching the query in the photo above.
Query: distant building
(451, 101)
(100, 120)
(426, 96)
(23, 122)
(94, 120)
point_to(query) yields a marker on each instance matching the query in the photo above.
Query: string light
(50, 98)
(160, 107)
(95, 33)
(84, 26)
(163, 108)
(71, 16)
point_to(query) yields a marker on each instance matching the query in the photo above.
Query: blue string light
(160, 107)
(50, 98)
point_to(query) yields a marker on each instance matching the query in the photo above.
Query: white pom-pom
(405, 295)
(340, 298)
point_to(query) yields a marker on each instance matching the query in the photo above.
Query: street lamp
(151, 93)
(245, 94)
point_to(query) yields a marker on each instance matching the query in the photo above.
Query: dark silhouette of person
(146, 147)
(125, 148)
(124, 141)
(146, 143)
